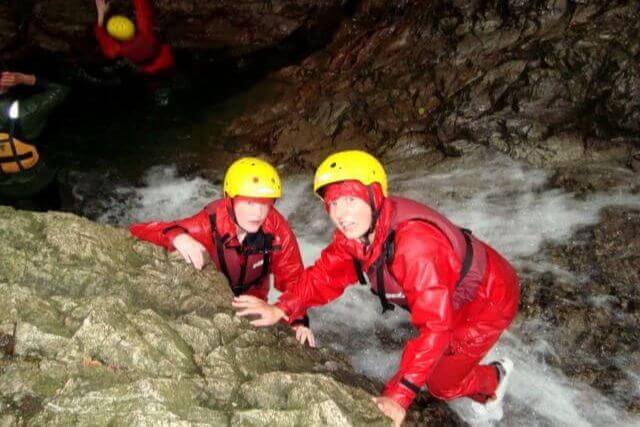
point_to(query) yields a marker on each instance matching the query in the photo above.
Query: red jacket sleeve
(425, 265)
(163, 233)
(164, 61)
(319, 284)
(287, 262)
(144, 17)
(110, 47)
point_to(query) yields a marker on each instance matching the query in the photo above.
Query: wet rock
(533, 80)
(515, 75)
(585, 178)
(591, 308)
(114, 330)
(634, 162)
(8, 26)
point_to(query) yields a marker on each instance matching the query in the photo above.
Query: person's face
(351, 215)
(250, 214)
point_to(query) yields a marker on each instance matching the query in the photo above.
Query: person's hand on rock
(391, 409)
(247, 305)
(304, 335)
(191, 250)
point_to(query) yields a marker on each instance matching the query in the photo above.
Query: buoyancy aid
(245, 265)
(470, 250)
(16, 155)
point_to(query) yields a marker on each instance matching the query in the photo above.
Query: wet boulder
(97, 327)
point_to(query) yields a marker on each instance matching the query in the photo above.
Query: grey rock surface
(112, 330)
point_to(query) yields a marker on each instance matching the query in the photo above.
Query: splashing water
(504, 202)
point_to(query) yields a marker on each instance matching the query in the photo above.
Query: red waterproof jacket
(285, 261)
(143, 50)
(427, 268)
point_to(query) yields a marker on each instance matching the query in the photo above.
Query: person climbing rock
(460, 292)
(121, 38)
(243, 233)
(26, 180)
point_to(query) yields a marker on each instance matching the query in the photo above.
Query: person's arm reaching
(110, 47)
(320, 284)
(188, 235)
(162, 233)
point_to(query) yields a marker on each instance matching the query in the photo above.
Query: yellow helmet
(252, 177)
(350, 165)
(121, 28)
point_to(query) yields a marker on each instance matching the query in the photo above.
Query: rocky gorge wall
(549, 81)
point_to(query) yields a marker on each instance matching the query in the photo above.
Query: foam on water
(163, 196)
(504, 202)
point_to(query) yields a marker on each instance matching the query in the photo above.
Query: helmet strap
(232, 211)
(375, 213)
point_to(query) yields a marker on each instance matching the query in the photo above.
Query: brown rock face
(520, 76)
(398, 78)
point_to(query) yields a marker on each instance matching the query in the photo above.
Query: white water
(505, 203)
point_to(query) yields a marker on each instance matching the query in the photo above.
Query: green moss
(129, 335)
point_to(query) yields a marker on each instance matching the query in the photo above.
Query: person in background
(460, 292)
(121, 38)
(26, 180)
(243, 233)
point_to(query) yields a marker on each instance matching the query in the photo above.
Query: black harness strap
(243, 272)
(15, 154)
(411, 386)
(219, 242)
(15, 157)
(358, 267)
(304, 321)
(387, 256)
(240, 287)
(468, 257)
